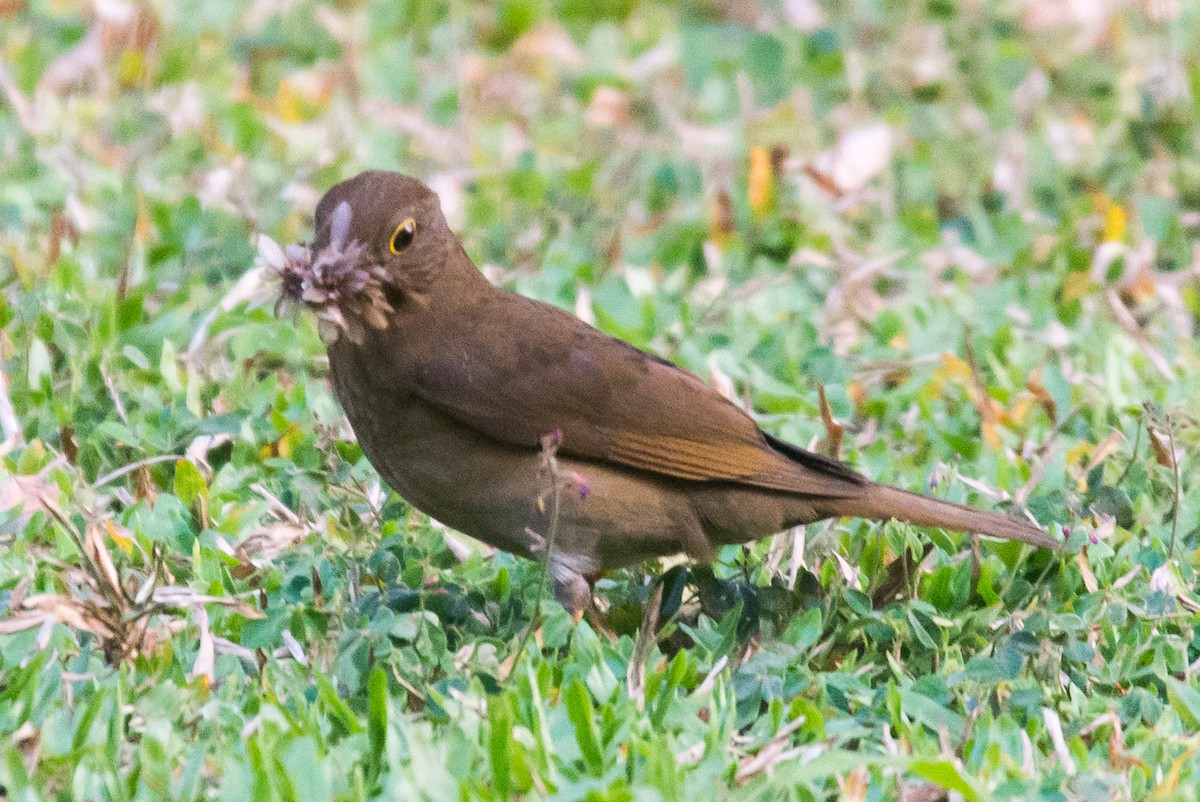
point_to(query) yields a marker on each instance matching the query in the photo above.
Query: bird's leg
(595, 615)
(571, 589)
(900, 576)
(574, 591)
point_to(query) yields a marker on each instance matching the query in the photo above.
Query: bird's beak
(339, 226)
(333, 233)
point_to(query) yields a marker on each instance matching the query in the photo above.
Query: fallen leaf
(635, 672)
(205, 662)
(271, 540)
(608, 108)
(294, 648)
(720, 218)
(1085, 571)
(1114, 221)
(834, 431)
(1167, 788)
(97, 553)
(1160, 444)
(858, 157)
(761, 181)
(1042, 395)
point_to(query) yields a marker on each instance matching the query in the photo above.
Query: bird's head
(380, 236)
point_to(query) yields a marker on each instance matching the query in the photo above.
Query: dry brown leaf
(1035, 386)
(1126, 578)
(761, 181)
(456, 545)
(720, 218)
(143, 485)
(635, 673)
(75, 66)
(28, 493)
(923, 792)
(773, 751)
(1128, 322)
(272, 540)
(23, 621)
(1119, 757)
(28, 739)
(1160, 444)
(1141, 287)
(548, 48)
(608, 108)
(1169, 786)
(68, 611)
(721, 380)
(178, 596)
(1085, 571)
(97, 553)
(848, 572)
(294, 648)
(583, 304)
(1054, 728)
(834, 431)
(854, 786)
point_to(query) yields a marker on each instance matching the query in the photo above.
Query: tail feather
(882, 502)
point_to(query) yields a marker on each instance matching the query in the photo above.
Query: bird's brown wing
(519, 369)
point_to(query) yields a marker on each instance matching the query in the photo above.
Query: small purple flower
(581, 485)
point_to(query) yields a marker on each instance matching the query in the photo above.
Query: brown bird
(452, 385)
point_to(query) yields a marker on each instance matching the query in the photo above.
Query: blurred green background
(970, 224)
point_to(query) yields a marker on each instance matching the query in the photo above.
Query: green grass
(207, 593)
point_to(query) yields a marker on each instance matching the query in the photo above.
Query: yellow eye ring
(402, 237)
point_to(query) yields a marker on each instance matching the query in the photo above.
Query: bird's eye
(402, 237)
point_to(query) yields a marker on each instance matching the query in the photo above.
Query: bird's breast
(444, 468)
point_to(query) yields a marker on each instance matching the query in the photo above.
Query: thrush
(455, 388)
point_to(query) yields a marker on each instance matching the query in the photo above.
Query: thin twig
(1178, 482)
(549, 447)
(281, 509)
(118, 404)
(133, 466)
(635, 672)
(1137, 444)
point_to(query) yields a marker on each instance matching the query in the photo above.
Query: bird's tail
(882, 502)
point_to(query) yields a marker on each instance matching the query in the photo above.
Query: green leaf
(1186, 701)
(824, 766)
(190, 486)
(305, 770)
(923, 710)
(949, 775)
(579, 711)
(377, 720)
(804, 630)
(39, 369)
(329, 697)
(1115, 501)
(500, 723)
(168, 368)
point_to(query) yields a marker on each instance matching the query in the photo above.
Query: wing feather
(611, 402)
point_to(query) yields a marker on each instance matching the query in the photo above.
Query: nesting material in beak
(340, 282)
